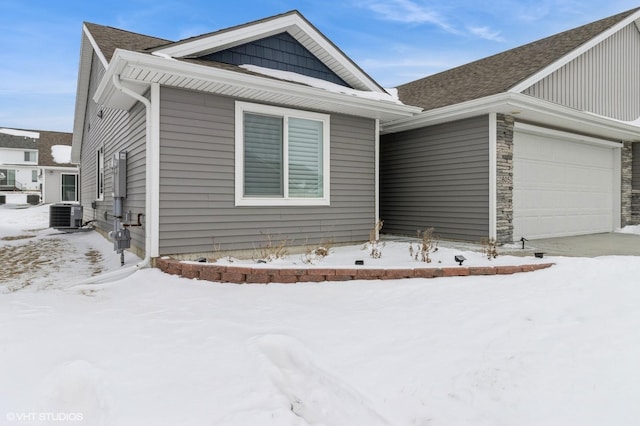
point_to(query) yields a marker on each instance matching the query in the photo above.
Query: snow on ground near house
(61, 154)
(554, 347)
(630, 229)
(32, 254)
(13, 198)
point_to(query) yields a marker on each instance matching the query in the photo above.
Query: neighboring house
(261, 130)
(37, 162)
(19, 160)
(59, 175)
(534, 142)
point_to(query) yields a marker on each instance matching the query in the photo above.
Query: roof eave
(138, 71)
(87, 47)
(298, 27)
(523, 108)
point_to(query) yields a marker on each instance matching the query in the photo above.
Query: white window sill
(276, 202)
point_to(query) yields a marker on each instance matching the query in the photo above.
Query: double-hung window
(282, 156)
(31, 156)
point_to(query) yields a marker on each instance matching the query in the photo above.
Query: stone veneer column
(626, 197)
(504, 176)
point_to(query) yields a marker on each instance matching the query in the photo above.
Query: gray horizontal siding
(197, 186)
(115, 131)
(437, 177)
(604, 80)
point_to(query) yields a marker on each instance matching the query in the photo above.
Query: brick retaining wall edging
(249, 275)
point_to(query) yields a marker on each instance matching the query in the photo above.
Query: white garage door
(563, 186)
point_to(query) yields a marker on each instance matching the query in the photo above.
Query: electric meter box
(120, 174)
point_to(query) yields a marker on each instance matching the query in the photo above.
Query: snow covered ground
(554, 347)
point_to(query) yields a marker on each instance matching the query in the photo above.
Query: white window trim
(100, 161)
(75, 198)
(35, 155)
(241, 200)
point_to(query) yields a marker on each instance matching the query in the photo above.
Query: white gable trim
(298, 28)
(525, 84)
(88, 46)
(96, 49)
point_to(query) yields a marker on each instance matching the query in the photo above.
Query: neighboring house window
(31, 156)
(69, 187)
(282, 156)
(100, 174)
(7, 177)
(34, 175)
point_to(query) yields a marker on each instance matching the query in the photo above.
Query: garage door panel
(561, 188)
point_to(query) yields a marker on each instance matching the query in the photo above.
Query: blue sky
(394, 41)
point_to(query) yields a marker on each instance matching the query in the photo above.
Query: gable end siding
(197, 199)
(437, 177)
(604, 80)
(279, 52)
(115, 131)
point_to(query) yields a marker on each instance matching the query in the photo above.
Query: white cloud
(486, 33)
(409, 12)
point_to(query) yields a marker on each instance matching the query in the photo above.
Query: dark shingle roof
(17, 142)
(46, 142)
(43, 144)
(498, 73)
(109, 39)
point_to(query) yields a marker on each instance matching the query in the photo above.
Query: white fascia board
(106, 89)
(250, 33)
(523, 108)
(448, 113)
(226, 39)
(96, 49)
(530, 81)
(566, 136)
(70, 169)
(154, 64)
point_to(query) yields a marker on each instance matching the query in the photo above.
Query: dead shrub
(374, 246)
(315, 253)
(489, 248)
(271, 250)
(428, 244)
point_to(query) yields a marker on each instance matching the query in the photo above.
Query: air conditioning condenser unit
(65, 216)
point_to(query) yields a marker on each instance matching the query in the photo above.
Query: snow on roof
(61, 154)
(323, 84)
(16, 132)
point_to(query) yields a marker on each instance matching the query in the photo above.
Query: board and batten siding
(604, 80)
(437, 177)
(116, 131)
(197, 183)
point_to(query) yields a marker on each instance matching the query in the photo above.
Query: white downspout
(493, 175)
(377, 176)
(149, 179)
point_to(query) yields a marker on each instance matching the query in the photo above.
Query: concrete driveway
(583, 245)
